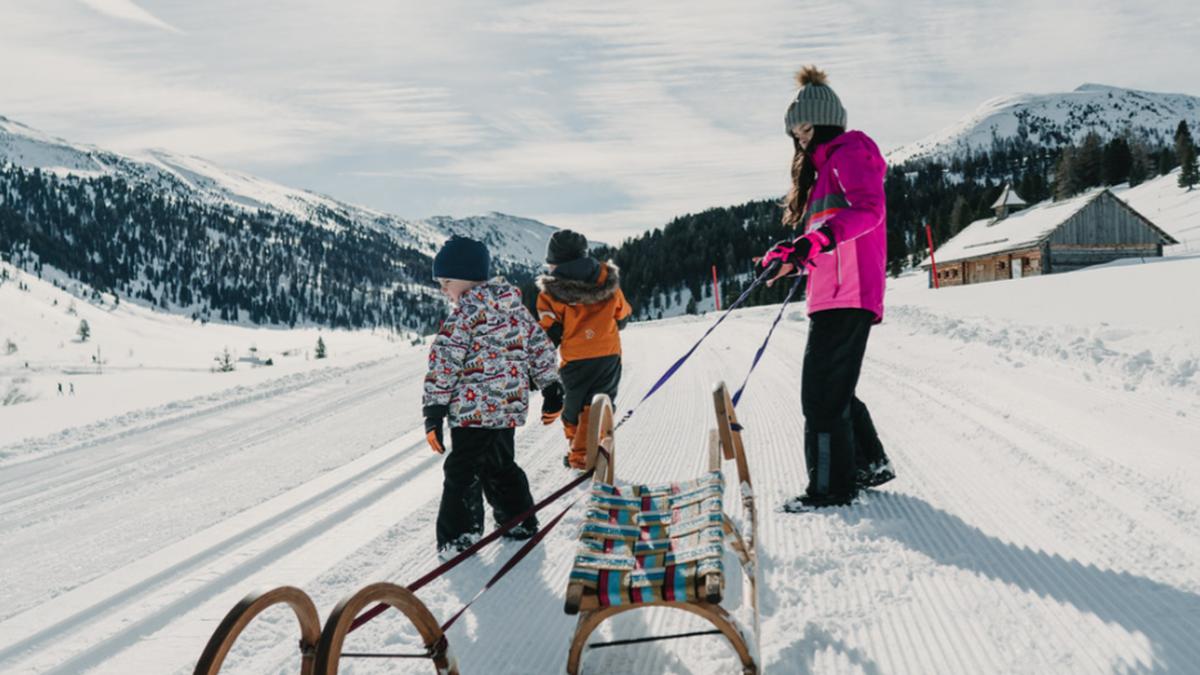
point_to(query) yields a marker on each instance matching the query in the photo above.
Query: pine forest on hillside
(211, 263)
(270, 268)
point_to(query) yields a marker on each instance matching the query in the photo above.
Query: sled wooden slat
(250, 607)
(725, 442)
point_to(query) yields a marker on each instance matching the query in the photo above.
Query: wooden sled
(246, 610)
(321, 651)
(662, 546)
(329, 651)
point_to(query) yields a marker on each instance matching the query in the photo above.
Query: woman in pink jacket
(836, 201)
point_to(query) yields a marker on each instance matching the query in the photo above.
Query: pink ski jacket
(848, 199)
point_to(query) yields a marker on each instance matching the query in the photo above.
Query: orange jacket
(585, 306)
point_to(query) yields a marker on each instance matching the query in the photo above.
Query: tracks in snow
(1020, 536)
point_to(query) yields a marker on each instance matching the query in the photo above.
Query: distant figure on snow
(836, 202)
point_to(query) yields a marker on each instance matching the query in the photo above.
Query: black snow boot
(876, 474)
(806, 502)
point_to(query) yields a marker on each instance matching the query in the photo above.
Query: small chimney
(1009, 200)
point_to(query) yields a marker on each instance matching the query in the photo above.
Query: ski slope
(1045, 433)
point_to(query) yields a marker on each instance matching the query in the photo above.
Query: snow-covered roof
(1023, 229)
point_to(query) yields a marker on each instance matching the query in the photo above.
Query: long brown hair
(804, 173)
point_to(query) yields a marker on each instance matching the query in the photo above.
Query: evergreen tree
(1066, 176)
(1166, 162)
(1189, 173)
(1089, 162)
(320, 353)
(1137, 174)
(224, 362)
(1117, 162)
(1183, 141)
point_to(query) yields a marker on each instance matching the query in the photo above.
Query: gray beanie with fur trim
(815, 103)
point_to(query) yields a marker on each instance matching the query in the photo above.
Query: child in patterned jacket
(480, 367)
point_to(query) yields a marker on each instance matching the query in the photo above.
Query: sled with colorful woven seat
(663, 545)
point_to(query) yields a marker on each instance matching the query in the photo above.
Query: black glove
(435, 416)
(552, 402)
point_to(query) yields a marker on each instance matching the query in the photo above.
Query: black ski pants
(839, 436)
(481, 464)
(584, 378)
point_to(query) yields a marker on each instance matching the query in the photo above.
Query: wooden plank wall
(1104, 222)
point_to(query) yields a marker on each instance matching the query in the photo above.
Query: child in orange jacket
(581, 307)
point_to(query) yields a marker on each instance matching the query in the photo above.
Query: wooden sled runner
(663, 546)
(250, 607)
(321, 651)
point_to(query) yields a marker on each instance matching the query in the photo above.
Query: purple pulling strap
(757, 356)
(671, 371)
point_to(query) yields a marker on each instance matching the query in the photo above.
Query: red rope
(512, 562)
(495, 534)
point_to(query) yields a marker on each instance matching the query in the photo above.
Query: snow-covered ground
(1045, 431)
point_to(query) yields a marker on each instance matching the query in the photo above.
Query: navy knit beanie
(462, 258)
(565, 246)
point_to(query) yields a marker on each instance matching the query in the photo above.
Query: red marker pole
(716, 289)
(929, 234)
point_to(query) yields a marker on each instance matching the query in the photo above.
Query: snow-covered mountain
(1058, 119)
(187, 236)
(518, 240)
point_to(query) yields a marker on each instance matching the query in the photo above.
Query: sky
(609, 118)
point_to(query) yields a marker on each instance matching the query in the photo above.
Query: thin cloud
(126, 10)
(624, 114)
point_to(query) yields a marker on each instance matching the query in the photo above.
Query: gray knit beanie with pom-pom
(815, 103)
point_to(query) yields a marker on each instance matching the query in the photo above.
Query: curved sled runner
(321, 651)
(329, 651)
(250, 607)
(663, 546)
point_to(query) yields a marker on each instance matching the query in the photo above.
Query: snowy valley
(1046, 432)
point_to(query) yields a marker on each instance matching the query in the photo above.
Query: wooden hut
(1093, 228)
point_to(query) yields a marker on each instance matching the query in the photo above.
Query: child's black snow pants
(481, 464)
(839, 435)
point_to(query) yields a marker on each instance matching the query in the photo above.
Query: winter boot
(805, 503)
(876, 474)
(449, 551)
(523, 531)
(577, 458)
(569, 430)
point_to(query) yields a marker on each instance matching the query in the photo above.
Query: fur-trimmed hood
(579, 284)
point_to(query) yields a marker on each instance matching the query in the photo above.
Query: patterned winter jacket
(848, 199)
(484, 356)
